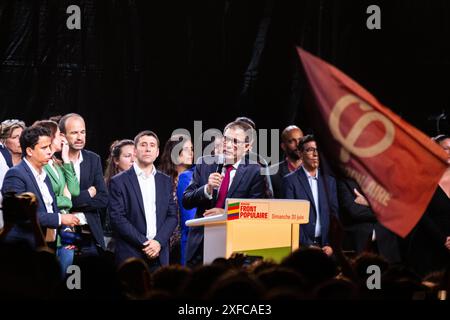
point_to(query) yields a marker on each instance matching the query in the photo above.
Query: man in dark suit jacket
(93, 193)
(6, 155)
(142, 207)
(207, 193)
(290, 138)
(361, 225)
(29, 176)
(310, 183)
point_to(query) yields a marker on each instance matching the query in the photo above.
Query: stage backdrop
(142, 64)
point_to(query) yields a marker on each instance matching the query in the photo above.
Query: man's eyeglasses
(234, 141)
(311, 150)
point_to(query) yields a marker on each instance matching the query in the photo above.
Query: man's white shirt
(148, 191)
(77, 167)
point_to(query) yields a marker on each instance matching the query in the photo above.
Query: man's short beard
(76, 148)
(293, 155)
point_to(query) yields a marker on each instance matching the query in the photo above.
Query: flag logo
(233, 211)
(397, 166)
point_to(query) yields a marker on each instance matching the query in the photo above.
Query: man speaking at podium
(217, 178)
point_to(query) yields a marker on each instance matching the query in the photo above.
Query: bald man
(290, 138)
(93, 194)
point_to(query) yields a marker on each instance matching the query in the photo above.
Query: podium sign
(260, 227)
(284, 211)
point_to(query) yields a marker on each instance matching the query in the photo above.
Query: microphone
(220, 164)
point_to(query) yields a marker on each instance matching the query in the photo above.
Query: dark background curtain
(143, 64)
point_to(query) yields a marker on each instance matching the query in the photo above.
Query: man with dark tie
(142, 208)
(29, 176)
(214, 180)
(312, 184)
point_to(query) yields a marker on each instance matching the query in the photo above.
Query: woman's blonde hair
(8, 126)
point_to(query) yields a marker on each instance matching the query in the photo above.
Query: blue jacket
(296, 186)
(126, 210)
(7, 155)
(20, 179)
(185, 214)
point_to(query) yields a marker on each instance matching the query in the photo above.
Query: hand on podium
(213, 212)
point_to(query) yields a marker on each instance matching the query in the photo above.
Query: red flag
(397, 166)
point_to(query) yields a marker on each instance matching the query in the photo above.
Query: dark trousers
(87, 247)
(153, 264)
(196, 259)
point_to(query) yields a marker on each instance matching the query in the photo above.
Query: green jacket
(67, 175)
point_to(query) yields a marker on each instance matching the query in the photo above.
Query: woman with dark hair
(429, 246)
(177, 157)
(121, 158)
(65, 185)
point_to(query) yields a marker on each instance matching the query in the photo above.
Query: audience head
(400, 283)
(281, 278)
(236, 286)
(362, 262)
(336, 289)
(134, 276)
(201, 280)
(171, 279)
(18, 209)
(312, 264)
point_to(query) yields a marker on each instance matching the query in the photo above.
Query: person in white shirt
(142, 207)
(29, 176)
(310, 183)
(93, 197)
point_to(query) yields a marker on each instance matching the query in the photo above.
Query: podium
(258, 227)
